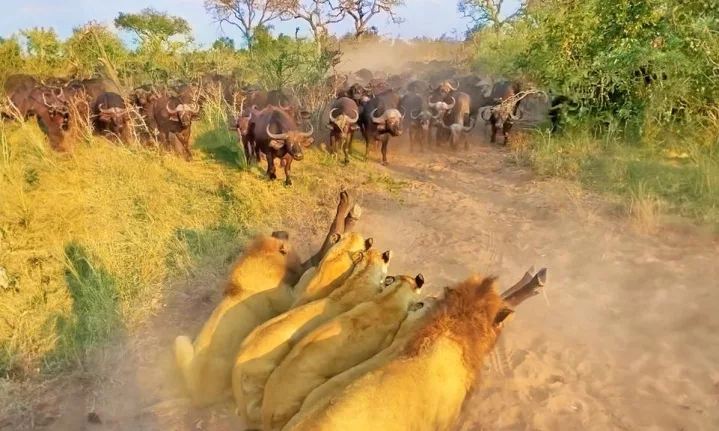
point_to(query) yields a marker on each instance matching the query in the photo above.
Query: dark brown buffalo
(277, 135)
(454, 121)
(505, 111)
(381, 119)
(48, 105)
(143, 98)
(110, 116)
(172, 116)
(245, 129)
(343, 118)
(441, 106)
(420, 120)
(360, 93)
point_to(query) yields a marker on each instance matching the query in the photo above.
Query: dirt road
(626, 338)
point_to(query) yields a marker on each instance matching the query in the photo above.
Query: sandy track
(628, 340)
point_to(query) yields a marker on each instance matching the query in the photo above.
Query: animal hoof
(385, 163)
(288, 182)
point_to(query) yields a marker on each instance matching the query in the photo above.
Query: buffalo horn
(280, 137)
(170, 110)
(454, 101)
(332, 117)
(414, 117)
(379, 119)
(455, 87)
(308, 134)
(484, 109)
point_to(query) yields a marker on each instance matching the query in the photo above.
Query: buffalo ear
(281, 234)
(277, 145)
(505, 315)
(419, 279)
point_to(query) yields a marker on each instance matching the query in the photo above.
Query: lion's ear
(505, 315)
(335, 238)
(416, 306)
(389, 280)
(357, 257)
(386, 256)
(368, 243)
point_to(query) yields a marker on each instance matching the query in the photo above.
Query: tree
(247, 15)
(93, 48)
(44, 49)
(152, 27)
(224, 43)
(318, 14)
(486, 13)
(362, 11)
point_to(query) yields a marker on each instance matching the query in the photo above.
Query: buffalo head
(390, 121)
(442, 107)
(344, 124)
(184, 113)
(423, 119)
(117, 116)
(293, 141)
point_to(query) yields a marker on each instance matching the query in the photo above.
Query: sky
(431, 18)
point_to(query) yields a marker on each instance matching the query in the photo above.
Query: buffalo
(144, 99)
(506, 112)
(454, 120)
(277, 135)
(110, 115)
(48, 105)
(343, 123)
(172, 116)
(380, 120)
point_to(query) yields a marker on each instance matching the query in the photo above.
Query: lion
(260, 286)
(333, 269)
(336, 346)
(270, 342)
(425, 386)
(322, 394)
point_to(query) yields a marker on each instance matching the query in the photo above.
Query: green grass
(90, 240)
(684, 176)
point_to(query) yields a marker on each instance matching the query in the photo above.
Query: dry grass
(90, 239)
(645, 211)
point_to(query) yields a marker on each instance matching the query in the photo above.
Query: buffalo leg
(366, 140)
(346, 148)
(385, 142)
(493, 137)
(506, 127)
(270, 165)
(246, 147)
(288, 169)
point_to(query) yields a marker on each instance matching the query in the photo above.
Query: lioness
(260, 285)
(422, 389)
(270, 342)
(323, 393)
(334, 268)
(336, 346)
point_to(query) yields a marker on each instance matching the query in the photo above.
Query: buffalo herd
(435, 106)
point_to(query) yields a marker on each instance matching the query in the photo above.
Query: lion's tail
(184, 353)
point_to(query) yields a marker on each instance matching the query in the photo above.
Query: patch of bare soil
(626, 338)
